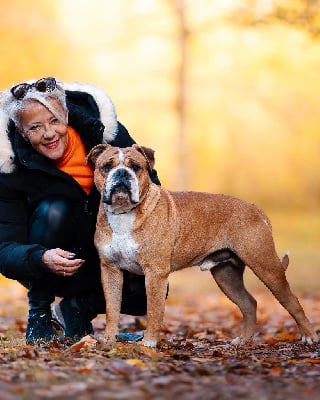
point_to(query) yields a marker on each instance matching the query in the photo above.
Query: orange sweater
(73, 161)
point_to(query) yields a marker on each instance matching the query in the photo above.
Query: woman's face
(46, 133)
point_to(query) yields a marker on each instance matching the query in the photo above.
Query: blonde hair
(13, 107)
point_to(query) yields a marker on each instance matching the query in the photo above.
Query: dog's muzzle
(118, 187)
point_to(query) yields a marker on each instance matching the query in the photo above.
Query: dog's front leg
(156, 289)
(112, 281)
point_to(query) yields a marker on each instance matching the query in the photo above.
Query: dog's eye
(135, 167)
(106, 167)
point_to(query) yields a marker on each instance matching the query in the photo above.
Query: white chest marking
(122, 249)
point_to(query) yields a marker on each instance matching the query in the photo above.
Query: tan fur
(175, 230)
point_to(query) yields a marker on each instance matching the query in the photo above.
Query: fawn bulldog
(147, 230)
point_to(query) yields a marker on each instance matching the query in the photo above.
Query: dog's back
(212, 222)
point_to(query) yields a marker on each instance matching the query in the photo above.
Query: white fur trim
(106, 108)
(6, 153)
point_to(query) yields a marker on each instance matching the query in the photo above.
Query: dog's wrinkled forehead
(116, 157)
(113, 156)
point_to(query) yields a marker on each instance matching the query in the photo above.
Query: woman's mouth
(52, 145)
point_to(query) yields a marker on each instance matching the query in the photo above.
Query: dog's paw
(109, 341)
(149, 343)
(236, 342)
(241, 341)
(105, 345)
(310, 339)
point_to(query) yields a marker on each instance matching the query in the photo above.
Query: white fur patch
(122, 249)
(149, 343)
(121, 157)
(208, 264)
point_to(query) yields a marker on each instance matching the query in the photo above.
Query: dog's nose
(121, 173)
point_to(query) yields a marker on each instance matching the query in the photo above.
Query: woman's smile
(52, 145)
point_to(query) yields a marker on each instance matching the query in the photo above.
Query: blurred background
(225, 91)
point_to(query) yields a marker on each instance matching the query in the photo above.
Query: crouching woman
(48, 203)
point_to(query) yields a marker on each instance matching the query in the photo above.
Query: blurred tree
(303, 14)
(182, 175)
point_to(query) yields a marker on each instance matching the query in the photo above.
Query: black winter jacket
(27, 177)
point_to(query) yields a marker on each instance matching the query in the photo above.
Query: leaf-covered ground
(193, 361)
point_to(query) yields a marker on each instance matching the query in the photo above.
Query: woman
(48, 202)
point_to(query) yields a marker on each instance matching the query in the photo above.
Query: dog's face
(121, 175)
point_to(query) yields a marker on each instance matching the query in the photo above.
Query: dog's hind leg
(272, 273)
(229, 278)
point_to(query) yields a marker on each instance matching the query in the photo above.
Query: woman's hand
(61, 262)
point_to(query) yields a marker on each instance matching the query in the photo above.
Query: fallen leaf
(287, 336)
(306, 361)
(198, 359)
(87, 341)
(29, 353)
(149, 351)
(136, 362)
(87, 368)
(275, 371)
(120, 367)
(76, 347)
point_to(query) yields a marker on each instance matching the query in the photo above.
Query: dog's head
(121, 175)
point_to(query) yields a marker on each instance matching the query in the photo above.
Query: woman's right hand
(61, 262)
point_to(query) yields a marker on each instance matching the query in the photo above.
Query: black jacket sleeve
(22, 262)
(123, 139)
(18, 260)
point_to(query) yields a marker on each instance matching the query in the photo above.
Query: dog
(145, 229)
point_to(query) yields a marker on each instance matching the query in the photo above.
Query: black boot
(75, 315)
(40, 327)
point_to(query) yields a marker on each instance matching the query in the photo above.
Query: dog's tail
(285, 260)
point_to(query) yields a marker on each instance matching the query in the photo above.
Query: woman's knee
(51, 223)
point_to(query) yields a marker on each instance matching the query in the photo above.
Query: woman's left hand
(61, 262)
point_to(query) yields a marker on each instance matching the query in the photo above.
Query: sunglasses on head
(42, 85)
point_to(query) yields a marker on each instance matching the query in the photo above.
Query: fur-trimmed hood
(105, 106)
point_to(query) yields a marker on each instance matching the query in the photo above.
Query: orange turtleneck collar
(73, 161)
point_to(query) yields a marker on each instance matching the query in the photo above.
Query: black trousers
(57, 222)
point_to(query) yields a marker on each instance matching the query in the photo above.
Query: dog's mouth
(120, 194)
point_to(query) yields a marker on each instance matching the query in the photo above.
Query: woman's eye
(34, 129)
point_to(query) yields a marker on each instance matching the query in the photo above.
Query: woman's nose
(48, 132)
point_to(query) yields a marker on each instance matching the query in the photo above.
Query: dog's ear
(147, 153)
(95, 153)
